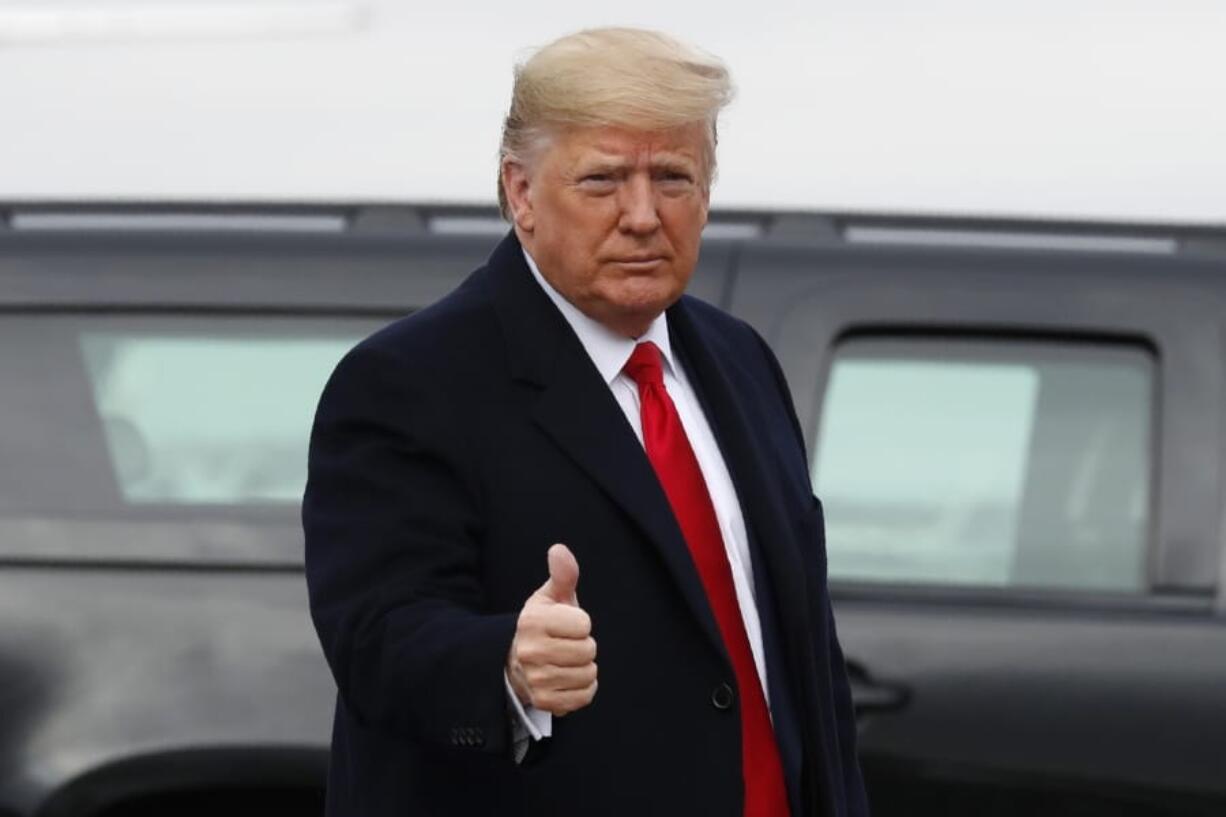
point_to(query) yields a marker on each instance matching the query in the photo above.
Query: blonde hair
(625, 77)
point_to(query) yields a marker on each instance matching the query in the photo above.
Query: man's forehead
(623, 145)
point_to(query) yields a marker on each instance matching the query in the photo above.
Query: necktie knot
(644, 366)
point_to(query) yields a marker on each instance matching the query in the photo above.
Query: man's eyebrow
(612, 164)
(673, 161)
(603, 163)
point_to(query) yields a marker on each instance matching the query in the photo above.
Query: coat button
(722, 697)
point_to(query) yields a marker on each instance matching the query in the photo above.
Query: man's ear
(516, 183)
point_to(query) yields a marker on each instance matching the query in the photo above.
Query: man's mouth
(639, 261)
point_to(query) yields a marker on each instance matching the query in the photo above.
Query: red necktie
(674, 462)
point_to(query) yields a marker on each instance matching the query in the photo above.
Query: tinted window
(208, 418)
(987, 463)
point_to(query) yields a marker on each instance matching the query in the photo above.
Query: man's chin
(634, 317)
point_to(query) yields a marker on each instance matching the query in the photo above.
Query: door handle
(871, 695)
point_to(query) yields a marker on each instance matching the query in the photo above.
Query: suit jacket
(450, 449)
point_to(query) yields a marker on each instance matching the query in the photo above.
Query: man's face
(613, 218)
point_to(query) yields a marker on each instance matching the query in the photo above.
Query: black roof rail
(1032, 234)
(158, 216)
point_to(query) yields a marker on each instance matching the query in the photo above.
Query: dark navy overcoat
(449, 451)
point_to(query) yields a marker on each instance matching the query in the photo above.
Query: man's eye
(675, 183)
(598, 184)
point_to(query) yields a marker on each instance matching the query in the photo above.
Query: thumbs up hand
(552, 662)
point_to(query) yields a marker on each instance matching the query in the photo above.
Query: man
(562, 553)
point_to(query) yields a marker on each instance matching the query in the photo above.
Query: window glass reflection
(989, 464)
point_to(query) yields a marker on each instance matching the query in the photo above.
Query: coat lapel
(725, 391)
(575, 408)
(756, 481)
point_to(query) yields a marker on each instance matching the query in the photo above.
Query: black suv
(1018, 430)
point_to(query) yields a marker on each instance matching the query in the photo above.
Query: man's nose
(638, 206)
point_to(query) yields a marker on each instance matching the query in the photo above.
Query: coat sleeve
(393, 532)
(855, 798)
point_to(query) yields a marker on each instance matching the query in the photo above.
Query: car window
(207, 418)
(142, 414)
(993, 463)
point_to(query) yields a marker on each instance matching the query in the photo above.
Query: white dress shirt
(609, 352)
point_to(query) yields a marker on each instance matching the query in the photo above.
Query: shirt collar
(607, 349)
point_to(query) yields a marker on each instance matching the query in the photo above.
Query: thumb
(563, 576)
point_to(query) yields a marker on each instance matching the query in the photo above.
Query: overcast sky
(1109, 109)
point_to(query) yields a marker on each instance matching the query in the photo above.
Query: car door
(1019, 457)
